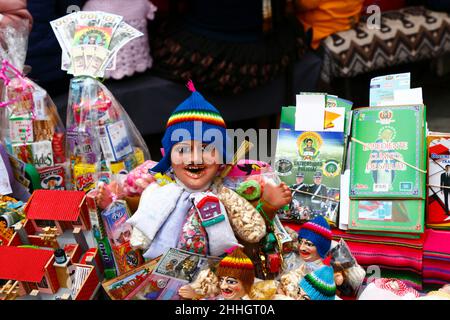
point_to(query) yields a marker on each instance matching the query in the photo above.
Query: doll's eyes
(231, 282)
(183, 149)
(188, 149)
(208, 148)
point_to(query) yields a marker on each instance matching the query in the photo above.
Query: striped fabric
(436, 259)
(204, 116)
(396, 258)
(324, 232)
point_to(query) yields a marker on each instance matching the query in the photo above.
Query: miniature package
(11, 212)
(121, 287)
(119, 233)
(101, 139)
(175, 269)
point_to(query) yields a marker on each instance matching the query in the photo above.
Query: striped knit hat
(318, 232)
(237, 265)
(319, 285)
(196, 115)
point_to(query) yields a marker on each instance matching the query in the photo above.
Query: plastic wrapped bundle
(31, 128)
(101, 138)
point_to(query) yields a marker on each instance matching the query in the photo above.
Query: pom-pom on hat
(319, 284)
(318, 232)
(237, 265)
(194, 112)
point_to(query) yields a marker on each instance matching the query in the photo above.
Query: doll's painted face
(307, 250)
(339, 278)
(231, 288)
(195, 163)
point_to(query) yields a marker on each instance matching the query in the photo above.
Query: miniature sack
(342, 260)
(246, 222)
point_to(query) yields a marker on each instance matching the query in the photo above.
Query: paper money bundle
(101, 141)
(90, 41)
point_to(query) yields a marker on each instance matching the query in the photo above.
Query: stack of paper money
(90, 41)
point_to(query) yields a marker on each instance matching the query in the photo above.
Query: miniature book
(438, 214)
(311, 164)
(388, 153)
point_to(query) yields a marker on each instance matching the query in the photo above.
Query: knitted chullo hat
(319, 284)
(318, 232)
(195, 112)
(237, 265)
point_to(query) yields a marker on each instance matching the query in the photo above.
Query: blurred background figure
(227, 46)
(135, 56)
(13, 12)
(325, 17)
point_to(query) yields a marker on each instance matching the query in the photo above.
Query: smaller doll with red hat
(235, 274)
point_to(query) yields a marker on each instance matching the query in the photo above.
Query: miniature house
(33, 268)
(58, 208)
(209, 210)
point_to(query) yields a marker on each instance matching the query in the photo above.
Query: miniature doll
(186, 214)
(318, 285)
(235, 276)
(315, 242)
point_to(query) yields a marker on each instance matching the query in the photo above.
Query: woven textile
(407, 35)
(436, 258)
(396, 258)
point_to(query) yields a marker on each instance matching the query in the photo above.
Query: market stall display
(355, 206)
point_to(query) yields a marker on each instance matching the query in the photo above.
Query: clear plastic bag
(31, 128)
(102, 141)
(351, 272)
(14, 43)
(250, 170)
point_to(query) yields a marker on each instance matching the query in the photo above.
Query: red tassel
(190, 86)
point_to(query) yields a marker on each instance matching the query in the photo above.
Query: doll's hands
(277, 196)
(104, 196)
(138, 240)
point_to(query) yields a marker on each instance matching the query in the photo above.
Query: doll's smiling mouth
(227, 292)
(305, 253)
(194, 170)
